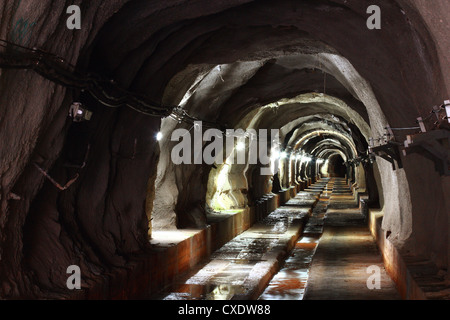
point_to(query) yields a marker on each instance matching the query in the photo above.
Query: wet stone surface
(345, 251)
(331, 250)
(243, 266)
(290, 282)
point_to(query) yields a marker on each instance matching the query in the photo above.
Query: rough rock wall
(404, 88)
(97, 223)
(437, 23)
(36, 246)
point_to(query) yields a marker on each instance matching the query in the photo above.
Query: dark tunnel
(162, 134)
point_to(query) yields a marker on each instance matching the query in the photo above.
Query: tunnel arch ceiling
(233, 103)
(215, 90)
(200, 47)
(267, 52)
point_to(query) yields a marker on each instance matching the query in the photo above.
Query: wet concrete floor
(347, 264)
(316, 246)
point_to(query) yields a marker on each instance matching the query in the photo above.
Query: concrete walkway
(315, 247)
(242, 268)
(346, 250)
(290, 282)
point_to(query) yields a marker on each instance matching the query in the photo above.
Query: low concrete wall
(395, 264)
(285, 195)
(175, 252)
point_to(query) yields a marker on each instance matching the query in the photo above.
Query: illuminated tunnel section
(312, 140)
(106, 195)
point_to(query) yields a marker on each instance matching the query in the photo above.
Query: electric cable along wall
(109, 94)
(105, 91)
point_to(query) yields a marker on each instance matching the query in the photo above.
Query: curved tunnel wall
(267, 52)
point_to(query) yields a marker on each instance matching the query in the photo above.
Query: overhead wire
(58, 70)
(105, 91)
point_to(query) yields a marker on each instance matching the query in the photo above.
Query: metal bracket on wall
(434, 145)
(389, 152)
(368, 158)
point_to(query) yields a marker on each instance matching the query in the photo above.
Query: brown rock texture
(169, 50)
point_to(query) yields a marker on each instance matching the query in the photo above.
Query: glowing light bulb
(447, 109)
(159, 136)
(240, 146)
(275, 154)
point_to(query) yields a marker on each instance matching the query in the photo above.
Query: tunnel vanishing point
(88, 123)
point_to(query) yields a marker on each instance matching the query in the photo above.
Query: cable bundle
(58, 70)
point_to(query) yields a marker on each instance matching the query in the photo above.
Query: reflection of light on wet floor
(206, 292)
(225, 292)
(307, 243)
(286, 289)
(241, 265)
(290, 282)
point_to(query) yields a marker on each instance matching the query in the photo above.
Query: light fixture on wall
(274, 154)
(447, 109)
(240, 146)
(159, 136)
(79, 113)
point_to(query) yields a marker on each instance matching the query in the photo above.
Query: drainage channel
(243, 267)
(290, 282)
